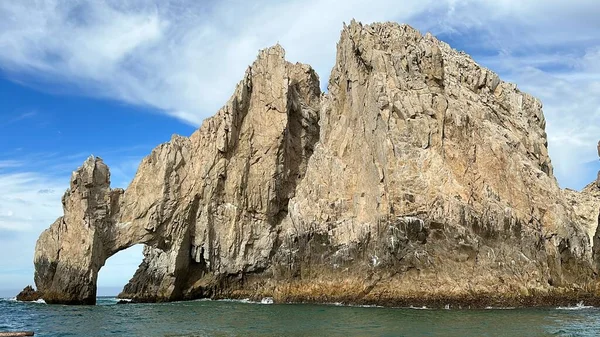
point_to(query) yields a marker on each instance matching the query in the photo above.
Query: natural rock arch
(420, 173)
(70, 253)
(205, 203)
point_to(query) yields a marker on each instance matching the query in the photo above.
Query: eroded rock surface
(28, 294)
(419, 174)
(433, 174)
(70, 253)
(586, 204)
(205, 205)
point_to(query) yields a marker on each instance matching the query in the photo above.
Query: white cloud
(20, 194)
(10, 163)
(24, 213)
(184, 57)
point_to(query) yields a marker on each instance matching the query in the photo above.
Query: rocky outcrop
(208, 204)
(432, 174)
(28, 294)
(586, 205)
(419, 175)
(70, 253)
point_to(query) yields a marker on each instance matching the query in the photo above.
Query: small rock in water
(28, 294)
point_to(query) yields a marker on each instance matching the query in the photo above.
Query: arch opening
(118, 270)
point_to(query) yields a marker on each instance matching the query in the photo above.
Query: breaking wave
(579, 306)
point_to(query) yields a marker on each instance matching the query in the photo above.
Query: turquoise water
(229, 318)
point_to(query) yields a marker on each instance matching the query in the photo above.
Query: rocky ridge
(420, 177)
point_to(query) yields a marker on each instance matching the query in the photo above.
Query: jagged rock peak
(276, 50)
(417, 138)
(93, 172)
(69, 254)
(431, 57)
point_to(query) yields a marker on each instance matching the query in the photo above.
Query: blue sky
(116, 78)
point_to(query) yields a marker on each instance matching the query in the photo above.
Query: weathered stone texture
(419, 173)
(28, 294)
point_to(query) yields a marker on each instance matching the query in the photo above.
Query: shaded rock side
(28, 294)
(586, 204)
(419, 174)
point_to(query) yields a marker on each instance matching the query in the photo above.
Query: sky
(117, 78)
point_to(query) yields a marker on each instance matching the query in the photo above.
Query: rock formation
(70, 253)
(28, 294)
(420, 176)
(207, 205)
(586, 205)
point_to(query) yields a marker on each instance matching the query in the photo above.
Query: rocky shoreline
(557, 298)
(364, 294)
(527, 299)
(468, 301)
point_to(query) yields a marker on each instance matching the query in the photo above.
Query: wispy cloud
(22, 116)
(24, 213)
(184, 57)
(20, 194)
(10, 163)
(9, 119)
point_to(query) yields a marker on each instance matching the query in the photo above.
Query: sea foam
(267, 300)
(579, 306)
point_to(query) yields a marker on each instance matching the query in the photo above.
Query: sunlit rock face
(419, 174)
(205, 206)
(70, 253)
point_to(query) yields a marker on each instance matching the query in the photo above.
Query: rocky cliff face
(205, 206)
(586, 205)
(70, 253)
(420, 176)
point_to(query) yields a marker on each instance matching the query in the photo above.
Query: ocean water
(243, 318)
